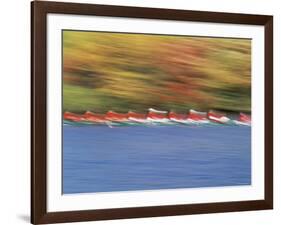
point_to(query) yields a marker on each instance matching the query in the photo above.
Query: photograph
(149, 112)
(144, 112)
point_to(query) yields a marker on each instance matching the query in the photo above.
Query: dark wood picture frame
(39, 11)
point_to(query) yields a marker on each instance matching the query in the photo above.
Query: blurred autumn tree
(113, 71)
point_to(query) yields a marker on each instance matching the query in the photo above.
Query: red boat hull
(197, 116)
(116, 117)
(176, 116)
(138, 116)
(156, 116)
(93, 117)
(245, 118)
(217, 117)
(72, 117)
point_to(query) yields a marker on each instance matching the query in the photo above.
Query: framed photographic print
(143, 112)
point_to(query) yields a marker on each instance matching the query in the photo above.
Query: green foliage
(113, 71)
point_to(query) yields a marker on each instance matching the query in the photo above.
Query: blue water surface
(103, 159)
